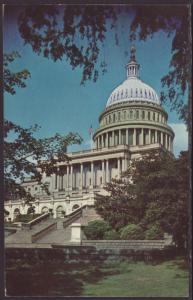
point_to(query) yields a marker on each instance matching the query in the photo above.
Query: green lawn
(167, 279)
(129, 279)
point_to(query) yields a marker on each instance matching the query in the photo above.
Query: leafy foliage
(132, 232)
(176, 21)
(78, 34)
(12, 79)
(78, 37)
(96, 229)
(26, 155)
(157, 195)
(111, 235)
(154, 233)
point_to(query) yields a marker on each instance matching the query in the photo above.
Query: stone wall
(86, 254)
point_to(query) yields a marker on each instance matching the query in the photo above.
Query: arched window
(113, 117)
(119, 115)
(16, 213)
(154, 116)
(59, 212)
(131, 93)
(148, 116)
(109, 118)
(131, 114)
(75, 206)
(124, 115)
(143, 114)
(44, 209)
(137, 114)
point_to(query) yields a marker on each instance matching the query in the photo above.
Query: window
(143, 114)
(137, 114)
(113, 117)
(119, 115)
(148, 115)
(154, 116)
(131, 114)
(29, 189)
(36, 188)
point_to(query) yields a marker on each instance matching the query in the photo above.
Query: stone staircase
(52, 231)
(31, 235)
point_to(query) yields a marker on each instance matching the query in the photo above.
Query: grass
(167, 279)
(129, 279)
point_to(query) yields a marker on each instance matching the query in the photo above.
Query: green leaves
(12, 79)
(158, 195)
(26, 155)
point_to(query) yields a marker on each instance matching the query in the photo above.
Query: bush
(96, 230)
(26, 218)
(154, 233)
(132, 232)
(111, 235)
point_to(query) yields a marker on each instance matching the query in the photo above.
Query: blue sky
(54, 98)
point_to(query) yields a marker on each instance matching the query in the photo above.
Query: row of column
(134, 137)
(61, 181)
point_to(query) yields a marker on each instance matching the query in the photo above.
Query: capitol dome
(133, 89)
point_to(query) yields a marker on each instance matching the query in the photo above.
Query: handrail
(35, 221)
(73, 215)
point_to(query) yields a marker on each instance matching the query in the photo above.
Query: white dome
(133, 89)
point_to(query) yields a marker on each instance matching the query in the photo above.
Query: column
(156, 140)
(142, 136)
(169, 142)
(119, 167)
(127, 137)
(161, 137)
(71, 174)
(107, 170)
(103, 172)
(92, 174)
(119, 136)
(56, 180)
(134, 137)
(166, 141)
(67, 177)
(81, 176)
(149, 136)
(113, 138)
(102, 140)
(123, 165)
(107, 139)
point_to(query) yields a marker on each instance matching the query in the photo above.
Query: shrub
(132, 232)
(111, 235)
(96, 230)
(26, 218)
(154, 233)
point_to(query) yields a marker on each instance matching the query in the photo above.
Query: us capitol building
(132, 122)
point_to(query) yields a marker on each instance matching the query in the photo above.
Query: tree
(11, 79)
(24, 154)
(81, 34)
(157, 195)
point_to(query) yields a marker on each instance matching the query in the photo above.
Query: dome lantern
(132, 67)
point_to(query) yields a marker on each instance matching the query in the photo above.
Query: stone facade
(132, 122)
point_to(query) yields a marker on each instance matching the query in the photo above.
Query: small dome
(133, 89)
